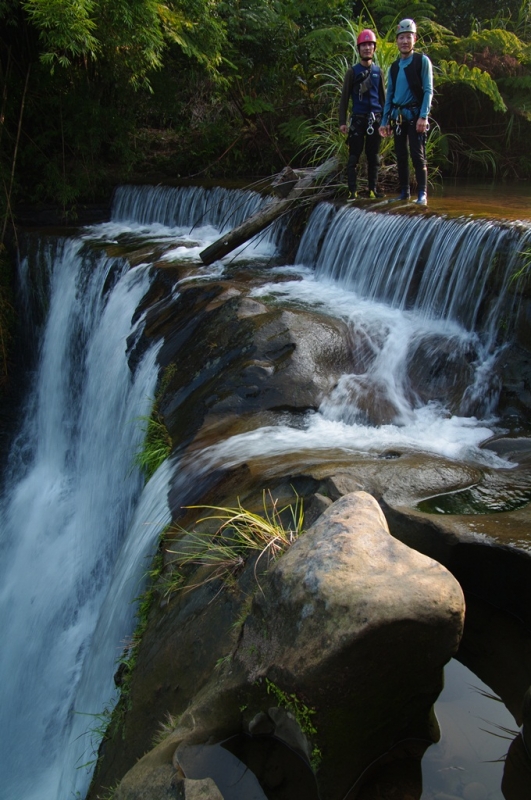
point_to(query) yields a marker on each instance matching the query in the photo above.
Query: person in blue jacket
(363, 86)
(406, 110)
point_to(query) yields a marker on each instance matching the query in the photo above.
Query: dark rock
(344, 596)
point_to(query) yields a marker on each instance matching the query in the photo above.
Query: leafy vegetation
(156, 446)
(157, 443)
(301, 712)
(165, 728)
(95, 92)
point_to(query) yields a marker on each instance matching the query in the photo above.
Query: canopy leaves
(66, 28)
(96, 90)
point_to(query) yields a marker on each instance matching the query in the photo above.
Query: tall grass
(238, 534)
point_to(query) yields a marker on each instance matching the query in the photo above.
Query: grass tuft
(156, 446)
(239, 533)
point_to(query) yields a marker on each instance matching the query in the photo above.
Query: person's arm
(385, 129)
(426, 75)
(346, 94)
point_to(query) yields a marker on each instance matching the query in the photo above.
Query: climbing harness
(396, 124)
(398, 121)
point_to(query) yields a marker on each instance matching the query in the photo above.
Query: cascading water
(414, 293)
(74, 547)
(190, 217)
(66, 510)
(76, 525)
(190, 207)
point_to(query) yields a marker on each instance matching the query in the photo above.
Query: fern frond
(452, 72)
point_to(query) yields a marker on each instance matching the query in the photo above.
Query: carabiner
(370, 125)
(399, 121)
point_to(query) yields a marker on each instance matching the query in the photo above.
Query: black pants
(357, 139)
(407, 135)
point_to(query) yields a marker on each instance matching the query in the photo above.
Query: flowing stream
(77, 524)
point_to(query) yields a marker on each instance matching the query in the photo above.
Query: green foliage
(300, 711)
(476, 79)
(118, 89)
(497, 40)
(97, 731)
(157, 444)
(462, 16)
(165, 728)
(387, 13)
(66, 29)
(126, 36)
(524, 271)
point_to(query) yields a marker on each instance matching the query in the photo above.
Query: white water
(78, 532)
(66, 515)
(76, 528)
(434, 266)
(187, 220)
(400, 283)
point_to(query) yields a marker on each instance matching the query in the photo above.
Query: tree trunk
(306, 188)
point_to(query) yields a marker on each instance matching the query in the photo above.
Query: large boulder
(354, 624)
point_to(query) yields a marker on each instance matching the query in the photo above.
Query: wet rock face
(440, 369)
(349, 619)
(232, 355)
(352, 620)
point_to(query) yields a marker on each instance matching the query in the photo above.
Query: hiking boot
(352, 196)
(422, 199)
(374, 194)
(404, 194)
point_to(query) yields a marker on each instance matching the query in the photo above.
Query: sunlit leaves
(451, 72)
(66, 28)
(498, 41)
(130, 35)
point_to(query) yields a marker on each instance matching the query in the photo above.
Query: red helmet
(367, 36)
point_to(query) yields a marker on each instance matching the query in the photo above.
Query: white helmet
(406, 26)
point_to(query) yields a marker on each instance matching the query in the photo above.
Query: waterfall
(425, 324)
(191, 206)
(433, 266)
(190, 218)
(66, 519)
(77, 527)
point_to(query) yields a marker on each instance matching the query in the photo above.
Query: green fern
(451, 72)
(498, 41)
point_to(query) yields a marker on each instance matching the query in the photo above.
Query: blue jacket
(409, 83)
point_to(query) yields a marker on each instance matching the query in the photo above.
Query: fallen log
(306, 188)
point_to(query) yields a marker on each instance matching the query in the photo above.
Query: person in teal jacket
(406, 110)
(363, 86)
